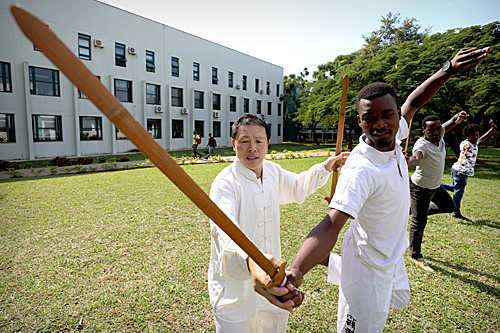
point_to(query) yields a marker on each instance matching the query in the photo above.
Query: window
(216, 102)
(84, 47)
(279, 129)
(268, 87)
(5, 77)
(215, 79)
(216, 129)
(279, 110)
(152, 94)
(123, 90)
(81, 95)
(36, 48)
(231, 129)
(196, 71)
(120, 135)
(232, 103)
(246, 105)
(270, 127)
(90, 128)
(259, 107)
(150, 62)
(177, 97)
(154, 128)
(198, 99)
(47, 128)
(7, 128)
(44, 81)
(199, 127)
(230, 79)
(120, 59)
(277, 90)
(257, 85)
(177, 129)
(269, 108)
(175, 67)
(244, 82)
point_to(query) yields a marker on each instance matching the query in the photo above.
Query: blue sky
(297, 33)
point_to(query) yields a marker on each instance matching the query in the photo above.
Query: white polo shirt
(254, 206)
(373, 190)
(429, 171)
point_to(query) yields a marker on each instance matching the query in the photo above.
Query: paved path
(45, 171)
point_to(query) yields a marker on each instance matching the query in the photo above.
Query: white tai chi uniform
(373, 190)
(254, 206)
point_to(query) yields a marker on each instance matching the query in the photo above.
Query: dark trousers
(425, 202)
(195, 151)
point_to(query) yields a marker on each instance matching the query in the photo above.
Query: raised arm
(455, 120)
(464, 60)
(490, 131)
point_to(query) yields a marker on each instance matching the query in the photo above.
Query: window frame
(199, 127)
(87, 38)
(244, 82)
(9, 129)
(279, 109)
(175, 66)
(268, 88)
(277, 90)
(279, 130)
(97, 129)
(196, 71)
(120, 59)
(156, 96)
(269, 108)
(216, 129)
(178, 98)
(5, 77)
(57, 128)
(246, 105)
(119, 135)
(153, 127)
(232, 103)
(179, 122)
(128, 91)
(150, 62)
(258, 107)
(215, 75)
(199, 99)
(216, 102)
(34, 88)
(230, 76)
(257, 84)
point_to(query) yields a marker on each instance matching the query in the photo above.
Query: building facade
(171, 81)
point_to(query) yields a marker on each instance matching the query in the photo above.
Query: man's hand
(492, 124)
(468, 58)
(461, 116)
(336, 162)
(258, 277)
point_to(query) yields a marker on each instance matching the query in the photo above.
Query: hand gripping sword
(57, 52)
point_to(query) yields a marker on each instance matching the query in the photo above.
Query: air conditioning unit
(261, 91)
(237, 86)
(216, 114)
(282, 97)
(158, 109)
(98, 43)
(132, 50)
(184, 111)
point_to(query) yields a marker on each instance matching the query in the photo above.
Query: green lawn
(128, 252)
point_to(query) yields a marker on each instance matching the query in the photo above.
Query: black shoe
(462, 218)
(420, 262)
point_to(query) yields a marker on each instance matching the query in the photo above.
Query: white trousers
(366, 293)
(270, 319)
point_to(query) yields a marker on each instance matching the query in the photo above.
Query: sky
(295, 34)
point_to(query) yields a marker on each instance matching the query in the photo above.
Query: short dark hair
(470, 128)
(249, 119)
(377, 89)
(429, 118)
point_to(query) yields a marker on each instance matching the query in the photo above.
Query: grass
(128, 252)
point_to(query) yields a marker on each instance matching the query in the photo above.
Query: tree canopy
(402, 55)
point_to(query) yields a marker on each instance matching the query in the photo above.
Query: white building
(171, 81)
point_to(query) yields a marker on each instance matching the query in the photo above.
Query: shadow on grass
(482, 222)
(494, 291)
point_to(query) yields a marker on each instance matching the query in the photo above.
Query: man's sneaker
(462, 218)
(423, 264)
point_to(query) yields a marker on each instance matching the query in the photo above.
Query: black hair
(377, 89)
(429, 118)
(247, 120)
(470, 128)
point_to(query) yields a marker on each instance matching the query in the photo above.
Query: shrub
(82, 161)
(123, 159)
(60, 161)
(102, 159)
(5, 165)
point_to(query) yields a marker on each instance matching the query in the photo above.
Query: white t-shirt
(254, 206)
(373, 190)
(429, 171)
(469, 160)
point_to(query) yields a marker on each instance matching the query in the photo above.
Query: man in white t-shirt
(428, 197)
(373, 191)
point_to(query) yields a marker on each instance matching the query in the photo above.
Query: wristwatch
(448, 68)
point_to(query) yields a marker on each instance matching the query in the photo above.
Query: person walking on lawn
(464, 166)
(196, 142)
(211, 145)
